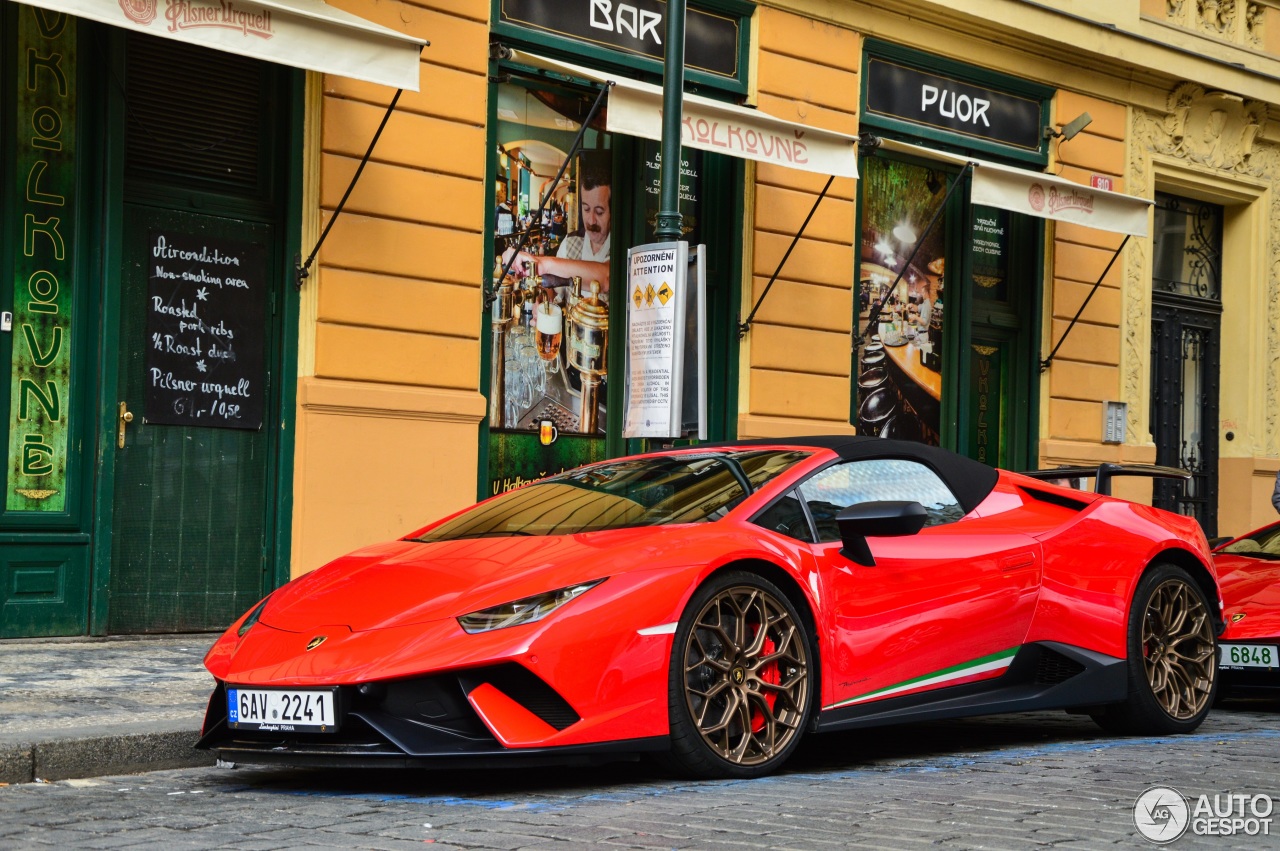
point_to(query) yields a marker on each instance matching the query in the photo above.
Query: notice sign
(656, 300)
(204, 363)
(990, 248)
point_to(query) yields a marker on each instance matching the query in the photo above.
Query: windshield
(1263, 544)
(648, 491)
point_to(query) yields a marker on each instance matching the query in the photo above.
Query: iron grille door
(1186, 320)
(1184, 389)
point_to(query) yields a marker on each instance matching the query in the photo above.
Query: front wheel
(1172, 657)
(742, 679)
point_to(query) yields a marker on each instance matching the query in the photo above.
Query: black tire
(1172, 658)
(740, 696)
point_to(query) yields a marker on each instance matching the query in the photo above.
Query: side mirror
(876, 520)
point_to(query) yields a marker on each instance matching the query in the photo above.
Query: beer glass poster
(552, 232)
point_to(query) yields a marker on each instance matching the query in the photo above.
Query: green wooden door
(190, 540)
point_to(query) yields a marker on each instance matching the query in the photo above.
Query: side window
(1264, 544)
(786, 517)
(875, 480)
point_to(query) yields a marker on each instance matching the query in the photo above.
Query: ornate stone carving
(1213, 128)
(1220, 131)
(1216, 17)
(1254, 20)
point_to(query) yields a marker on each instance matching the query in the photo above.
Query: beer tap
(503, 313)
(530, 287)
(588, 321)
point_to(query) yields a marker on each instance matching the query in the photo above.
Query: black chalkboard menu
(205, 305)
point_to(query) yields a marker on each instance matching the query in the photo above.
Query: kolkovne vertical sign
(44, 261)
(205, 305)
(656, 277)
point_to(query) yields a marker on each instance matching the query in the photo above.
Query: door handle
(125, 417)
(1017, 562)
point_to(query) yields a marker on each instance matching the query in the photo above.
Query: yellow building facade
(400, 387)
(391, 326)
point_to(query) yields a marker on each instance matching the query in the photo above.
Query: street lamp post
(670, 223)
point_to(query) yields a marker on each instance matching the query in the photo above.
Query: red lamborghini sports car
(714, 604)
(1249, 573)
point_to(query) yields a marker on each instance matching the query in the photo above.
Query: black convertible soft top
(971, 481)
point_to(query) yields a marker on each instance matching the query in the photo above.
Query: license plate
(281, 710)
(1248, 656)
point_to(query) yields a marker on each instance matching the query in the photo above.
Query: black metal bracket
(1044, 364)
(867, 145)
(491, 292)
(301, 271)
(746, 326)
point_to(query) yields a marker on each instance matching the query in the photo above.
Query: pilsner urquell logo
(1070, 200)
(192, 14)
(141, 12)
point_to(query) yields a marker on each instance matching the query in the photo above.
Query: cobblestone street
(1036, 780)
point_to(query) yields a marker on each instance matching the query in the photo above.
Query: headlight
(528, 610)
(253, 617)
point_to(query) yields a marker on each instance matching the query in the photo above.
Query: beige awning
(635, 109)
(299, 33)
(1044, 195)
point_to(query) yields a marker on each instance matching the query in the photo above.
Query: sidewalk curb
(112, 749)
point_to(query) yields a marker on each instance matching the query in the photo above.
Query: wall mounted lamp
(1070, 129)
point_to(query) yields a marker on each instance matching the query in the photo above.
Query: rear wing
(1104, 472)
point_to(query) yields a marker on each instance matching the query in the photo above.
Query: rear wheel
(742, 679)
(1172, 657)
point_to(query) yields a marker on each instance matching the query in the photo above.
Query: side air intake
(1053, 668)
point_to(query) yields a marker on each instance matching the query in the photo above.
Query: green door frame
(1026, 255)
(46, 537)
(111, 118)
(727, 175)
(1019, 324)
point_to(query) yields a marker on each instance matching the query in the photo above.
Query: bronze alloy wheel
(1178, 649)
(746, 675)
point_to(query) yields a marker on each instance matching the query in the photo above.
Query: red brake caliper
(771, 675)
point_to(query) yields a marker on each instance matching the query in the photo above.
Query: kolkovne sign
(43, 227)
(931, 100)
(637, 27)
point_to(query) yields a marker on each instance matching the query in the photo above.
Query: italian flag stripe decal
(994, 662)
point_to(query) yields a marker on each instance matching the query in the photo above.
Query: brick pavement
(85, 707)
(1016, 782)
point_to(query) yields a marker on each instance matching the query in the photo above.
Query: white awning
(1045, 195)
(299, 33)
(635, 109)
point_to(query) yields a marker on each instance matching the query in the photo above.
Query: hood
(1251, 596)
(405, 582)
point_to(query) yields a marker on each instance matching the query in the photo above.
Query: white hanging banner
(1044, 195)
(1050, 197)
(657, 300)
(635, 109)
(299, 33)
